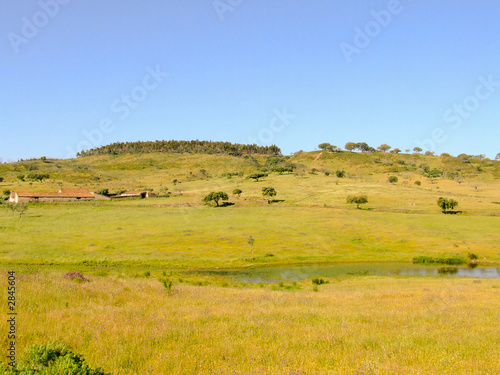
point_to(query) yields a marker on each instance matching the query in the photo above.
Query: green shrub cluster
(454, 260)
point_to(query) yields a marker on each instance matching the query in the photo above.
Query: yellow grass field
(126, 321)
(356, 325)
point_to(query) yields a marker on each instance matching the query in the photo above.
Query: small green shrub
(167, 283)
(340, 173)
(393, 179)
(52, 359)
(319, 281)
(418, 183)
(453, 260)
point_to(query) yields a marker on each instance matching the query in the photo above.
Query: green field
(125, 320)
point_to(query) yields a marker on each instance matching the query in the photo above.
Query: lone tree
(446, 203)
(384, 147)
(215, 197)
(418, 150)
(256, 176)
(358, 199)
(237, 192)
(268, 192)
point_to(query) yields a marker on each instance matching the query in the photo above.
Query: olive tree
(358, 199)
(268, 192)
(384, 147)
(215, 197)
(446, 203)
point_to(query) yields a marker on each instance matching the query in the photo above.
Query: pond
(297, 273)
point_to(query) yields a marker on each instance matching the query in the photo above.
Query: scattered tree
(393, 179)
(429, 153)
(269, 192)
(350, 146)
(237, 192)
(384, 147)
(256, 176)
(103, 191)
(358, 199)
(215, 197)
(497, 157)
(287, 169)
(396, 151)
(418, 150)
(325, 146)
(446, 203)
(37, 176)
(364, 147)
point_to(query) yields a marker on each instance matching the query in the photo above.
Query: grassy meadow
(127, 321)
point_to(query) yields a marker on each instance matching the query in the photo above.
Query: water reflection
(297, 273)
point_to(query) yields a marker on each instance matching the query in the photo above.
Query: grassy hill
(310, 221)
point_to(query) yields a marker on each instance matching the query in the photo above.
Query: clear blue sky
(290, 72)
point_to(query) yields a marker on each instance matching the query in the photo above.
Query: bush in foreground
(52, 359)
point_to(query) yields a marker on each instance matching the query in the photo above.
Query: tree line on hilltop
(199, 147)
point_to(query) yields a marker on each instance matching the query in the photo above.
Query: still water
(297, 273)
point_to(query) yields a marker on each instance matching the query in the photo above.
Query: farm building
(134, 194)
(63, 195)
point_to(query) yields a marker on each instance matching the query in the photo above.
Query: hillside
(464, 176)
(309, 221)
